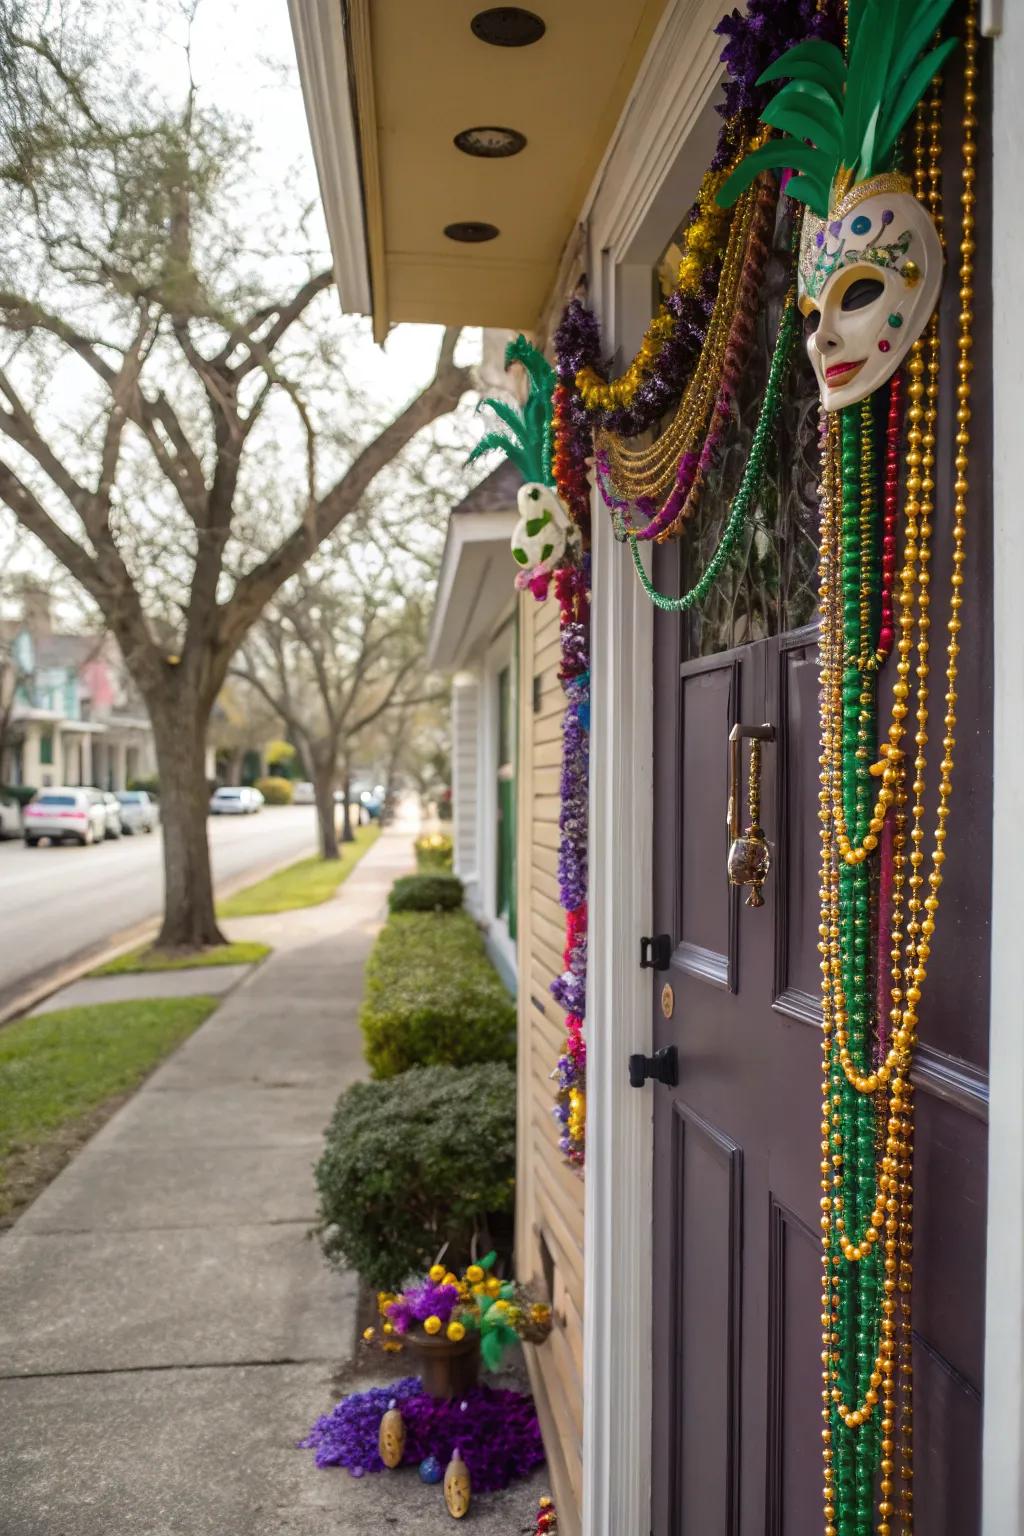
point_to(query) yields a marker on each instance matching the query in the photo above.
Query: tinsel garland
(755, 39)
(572, 587)
(496, 1431)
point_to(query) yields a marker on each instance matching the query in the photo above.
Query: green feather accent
(794, 110)
(851, 111)
(822, 63)
(916, 84)
(512, 418)
(780, 154)
(529, 446)
(497, 442)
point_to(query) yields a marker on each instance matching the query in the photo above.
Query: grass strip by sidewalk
(58, 1069)
(146, 958)
(305, 884)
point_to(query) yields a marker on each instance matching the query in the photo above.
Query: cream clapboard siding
(549, 1218)
(465, 785)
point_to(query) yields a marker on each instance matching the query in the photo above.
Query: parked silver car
(232, 801)
(139, 812)
(64, 812)
(113, 812)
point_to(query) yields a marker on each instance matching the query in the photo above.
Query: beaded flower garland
(572, 587)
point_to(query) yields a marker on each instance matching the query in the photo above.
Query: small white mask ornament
(869, 280)
(540, 536)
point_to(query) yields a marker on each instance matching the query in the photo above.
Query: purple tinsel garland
(754, 40)
(496, 1432)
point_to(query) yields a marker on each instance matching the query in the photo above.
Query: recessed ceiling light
(490, 143)
(472, 231)
(508, 26)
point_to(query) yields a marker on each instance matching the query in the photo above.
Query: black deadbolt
(663, 1067)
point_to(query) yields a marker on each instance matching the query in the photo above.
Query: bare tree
(129, 279)
(338, 649)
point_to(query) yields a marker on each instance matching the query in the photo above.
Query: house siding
(549, 1217)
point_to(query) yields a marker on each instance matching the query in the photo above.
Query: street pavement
(168, 1330)
(57, 903)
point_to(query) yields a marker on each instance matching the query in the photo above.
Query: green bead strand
(750, 486)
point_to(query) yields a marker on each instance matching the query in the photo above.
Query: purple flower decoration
(496, 1431)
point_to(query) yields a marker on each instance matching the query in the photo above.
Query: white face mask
(869, 280)
(540, 535)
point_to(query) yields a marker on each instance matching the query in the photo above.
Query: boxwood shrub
(435, 850)
(424, 1158)
(432, 996)
(426, 893)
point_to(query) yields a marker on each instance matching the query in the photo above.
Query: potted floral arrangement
(452, 1323)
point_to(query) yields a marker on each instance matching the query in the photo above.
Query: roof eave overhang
(474, 590)
(323, 48)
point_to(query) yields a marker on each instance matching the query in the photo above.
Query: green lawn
(146, 958)
(304, 884)
(59, 1068)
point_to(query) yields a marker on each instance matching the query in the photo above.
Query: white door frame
(1003, 1471)
(647, 180)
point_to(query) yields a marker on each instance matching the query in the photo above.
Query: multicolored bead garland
(752, 478)
(572, 588)
(867, 1196)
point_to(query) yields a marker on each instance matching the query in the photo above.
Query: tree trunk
(347, 835)
(326, 814)
(180, 736)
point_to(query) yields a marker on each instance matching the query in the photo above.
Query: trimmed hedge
(409, 1164)
(275, 790)
(426, 893)
(435, 850)
(432, 996)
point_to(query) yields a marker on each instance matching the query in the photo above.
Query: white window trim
(649, 175)
(500, 654)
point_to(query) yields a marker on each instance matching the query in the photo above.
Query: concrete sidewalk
(168, 1331)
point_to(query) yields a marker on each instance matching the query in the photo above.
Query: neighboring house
(473, 637)
(681, 1388)
(74, 717)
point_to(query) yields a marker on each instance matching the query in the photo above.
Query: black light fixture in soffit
(490, 143)
(508, 26)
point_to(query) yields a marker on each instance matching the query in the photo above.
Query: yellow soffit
(420, 76)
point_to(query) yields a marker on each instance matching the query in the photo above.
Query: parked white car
(139, 812)
(10, 817)
(232, 801)
(65, 812)
(303, 793)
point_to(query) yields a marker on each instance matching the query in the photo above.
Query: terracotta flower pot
(446, 1368)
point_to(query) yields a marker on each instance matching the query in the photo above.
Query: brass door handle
(749, 854)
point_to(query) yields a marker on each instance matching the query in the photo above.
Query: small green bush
(434, 851)
(275, 791)
(426, 893)
(409, 1164)
(151, 785)
(432, 996)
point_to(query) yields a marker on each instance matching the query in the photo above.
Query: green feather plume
(840, 121)
(528, 440)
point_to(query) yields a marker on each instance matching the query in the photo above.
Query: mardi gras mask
(869, 279)
(871, 260)
(539, 539)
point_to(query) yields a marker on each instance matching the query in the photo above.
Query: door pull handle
(749, 853)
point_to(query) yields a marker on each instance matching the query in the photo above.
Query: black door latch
(656, 953)
(663, 1067)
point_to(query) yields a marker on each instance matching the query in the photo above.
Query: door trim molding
(656, 138)
(1003, 1468)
